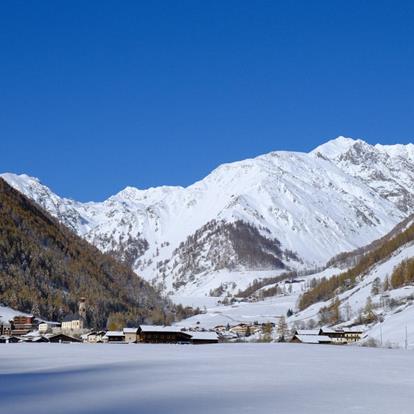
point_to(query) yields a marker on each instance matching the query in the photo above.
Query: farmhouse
(311, 339)
(341, 336)
(162, 335)
(62, 338)
(94, 337)
(131, 335)
(198, 338)
(22, 325)
(114, 336)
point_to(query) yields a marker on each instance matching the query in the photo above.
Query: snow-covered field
(268, 310)
(227, 378)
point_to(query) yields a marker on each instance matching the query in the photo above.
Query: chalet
(94, 337)
(62, 338)
(131, 335)
(114, 337)
(352, 335)
(162, 335)
(240, 329)
(198, 338)
(22, 325)
(311, 339)
(341, 336)
(306, 332)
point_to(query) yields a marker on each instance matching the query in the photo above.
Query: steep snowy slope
(394, 308)
(278, 211)
(387, 169)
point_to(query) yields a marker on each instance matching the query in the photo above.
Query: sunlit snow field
(224, 378)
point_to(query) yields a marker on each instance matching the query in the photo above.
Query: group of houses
(28, 329)
(152, 334)
(305, 336)
(241, 330)
(327, 336)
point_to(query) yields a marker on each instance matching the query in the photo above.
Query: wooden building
(22, 325)
(311, 339)
(62, 338)
(153, 334)
(114, 337)
(342, 336)
(199, 338)
(131, 335)
(94, 337)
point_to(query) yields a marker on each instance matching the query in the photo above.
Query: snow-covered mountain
(278, 211)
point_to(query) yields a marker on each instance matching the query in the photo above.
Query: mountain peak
(335, 147)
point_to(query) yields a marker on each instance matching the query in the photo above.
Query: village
(29, 329)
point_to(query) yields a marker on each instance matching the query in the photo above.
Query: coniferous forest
(45, 268)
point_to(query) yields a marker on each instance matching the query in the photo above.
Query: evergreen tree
(282, 329)
(376, 286)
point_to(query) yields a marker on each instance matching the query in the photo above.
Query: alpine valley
(249, 219)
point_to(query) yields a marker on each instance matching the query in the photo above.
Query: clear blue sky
(97, 95)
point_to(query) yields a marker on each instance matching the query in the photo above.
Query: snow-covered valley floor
(224, 378)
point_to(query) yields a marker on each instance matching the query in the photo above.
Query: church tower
(82, 309)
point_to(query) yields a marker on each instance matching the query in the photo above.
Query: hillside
(298, 210)
(377, 293)
(45, 269)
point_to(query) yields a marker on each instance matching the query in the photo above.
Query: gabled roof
(95, 333)
(353, 330)
(329, 331)
(206, 336)
(158, 328)
(130, 330)
(313, 339)
(114, 333)
(62, 336)
(307, 332)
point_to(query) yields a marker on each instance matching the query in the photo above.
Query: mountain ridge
(316, 205)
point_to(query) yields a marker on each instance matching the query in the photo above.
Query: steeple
(82, 308)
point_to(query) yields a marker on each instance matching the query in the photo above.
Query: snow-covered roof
(130, 330)
(210, 336)
(329, 330)
(37, 338)
(352, 330)
(313, 339)
(95, 333)
(114, 333)
(158, 328)
(307, 332)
